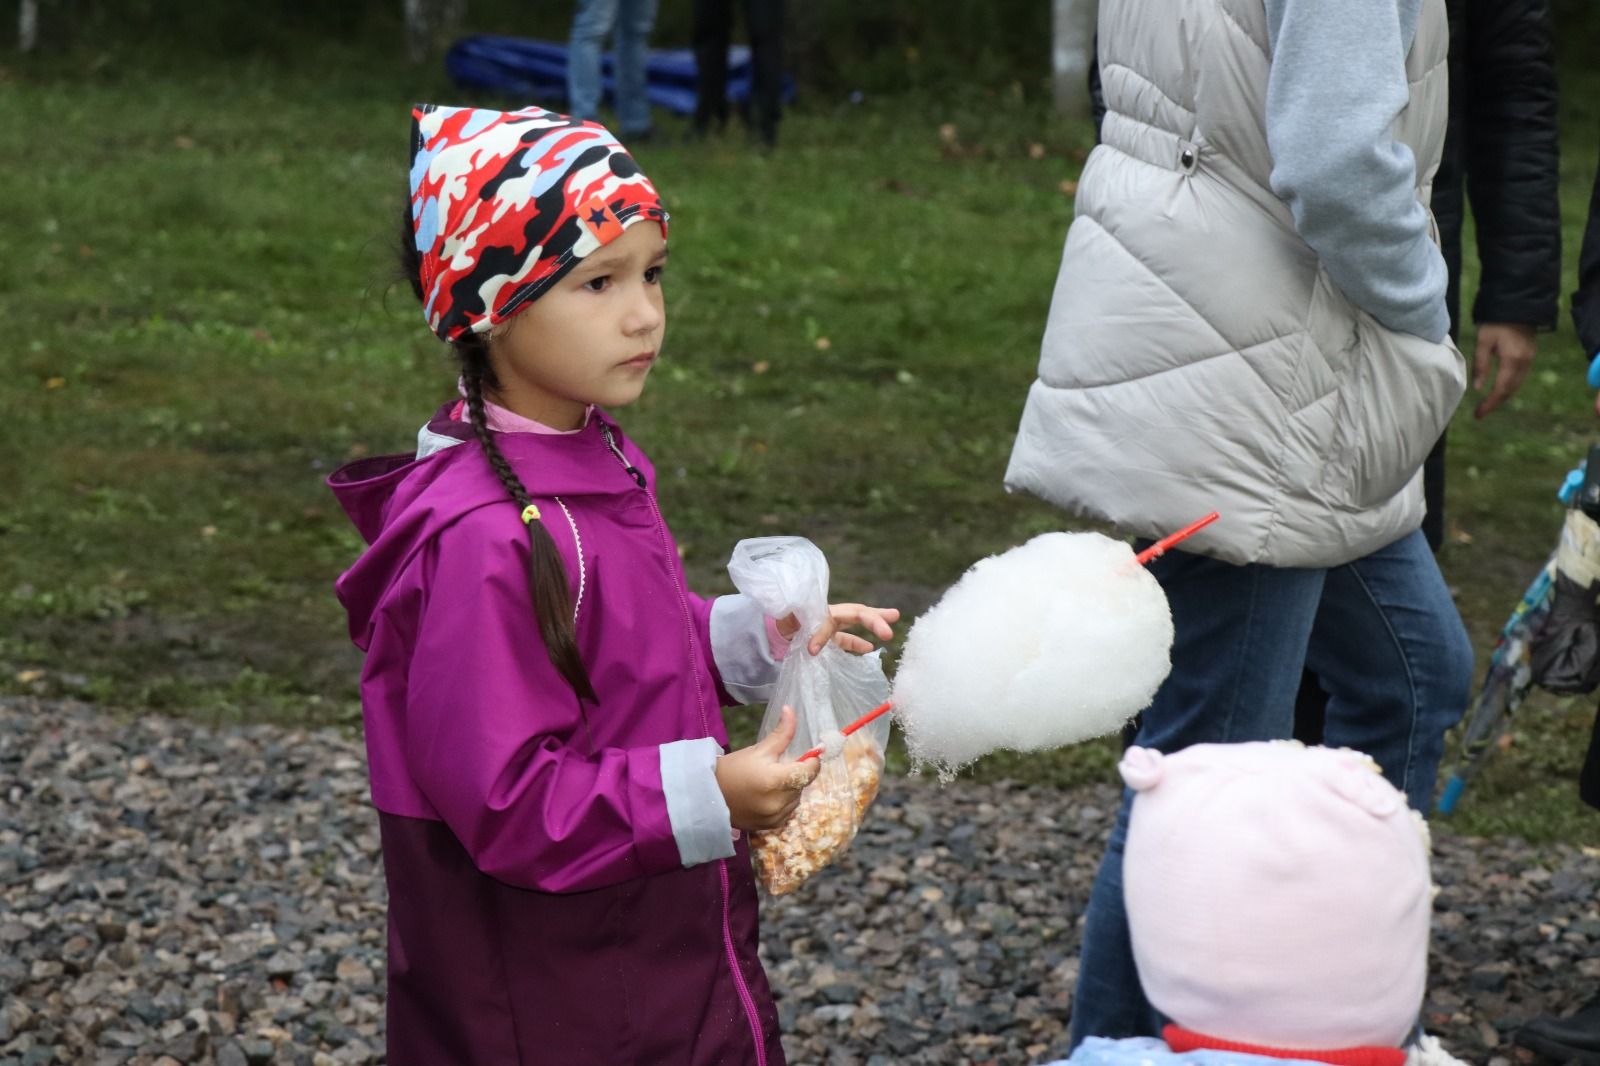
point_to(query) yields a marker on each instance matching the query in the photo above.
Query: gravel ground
(171, 894)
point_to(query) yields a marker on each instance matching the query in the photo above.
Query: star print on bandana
(601, 220)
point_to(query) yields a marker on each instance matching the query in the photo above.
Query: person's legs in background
(1433, 496)
(1311, 705)
(1391, 651)
(711, 64)
(765, 21)
(635, 21)
(1240, 638)
(590, 25)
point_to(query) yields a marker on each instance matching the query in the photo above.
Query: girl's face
(591, 339)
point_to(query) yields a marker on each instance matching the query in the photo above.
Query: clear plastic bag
(828, 691)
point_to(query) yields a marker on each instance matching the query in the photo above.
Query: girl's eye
(653, 275)
(597, 284)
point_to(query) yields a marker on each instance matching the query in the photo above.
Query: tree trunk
(27, 25)
(428, 22)
(1071, 52)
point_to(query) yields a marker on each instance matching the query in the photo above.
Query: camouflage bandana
(505, 203)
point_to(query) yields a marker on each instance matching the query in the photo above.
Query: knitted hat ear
(1358, 779)
(1142, 768)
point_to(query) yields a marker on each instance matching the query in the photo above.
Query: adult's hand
(1512, 345)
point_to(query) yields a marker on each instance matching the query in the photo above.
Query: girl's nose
(646, 314)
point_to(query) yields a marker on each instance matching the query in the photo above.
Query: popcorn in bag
(829, 690)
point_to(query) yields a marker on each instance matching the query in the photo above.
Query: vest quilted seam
(1143, 80)
(1232, 349)
(1244, 31)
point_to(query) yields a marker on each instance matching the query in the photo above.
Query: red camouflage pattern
(504, 203)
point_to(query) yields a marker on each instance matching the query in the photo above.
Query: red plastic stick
(872, 715)
(1159, 548)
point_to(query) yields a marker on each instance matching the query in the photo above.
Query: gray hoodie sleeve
(1336, 84)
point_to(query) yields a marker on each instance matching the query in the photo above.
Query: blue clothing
(1148, 1051)
(632, 20)
(1384, 638)
(1337, 81)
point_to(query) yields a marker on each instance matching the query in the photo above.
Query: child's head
(505, 203)
(535, 245)
(1277, 895)
(510, 210)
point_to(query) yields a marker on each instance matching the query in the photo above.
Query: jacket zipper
(739, 982)
(738, 974)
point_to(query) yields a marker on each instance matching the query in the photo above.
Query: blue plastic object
(536, 72)
(1569, 488)
(1452, 794)
(1594, 371)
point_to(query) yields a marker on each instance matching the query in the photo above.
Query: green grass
(203, 320)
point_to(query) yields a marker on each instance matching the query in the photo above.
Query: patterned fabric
(504, 203)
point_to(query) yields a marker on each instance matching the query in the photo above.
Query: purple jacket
(560, 891)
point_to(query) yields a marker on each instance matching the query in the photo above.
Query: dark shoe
(1574, 1039)
(647, 135)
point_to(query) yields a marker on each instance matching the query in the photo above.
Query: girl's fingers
(820, 638)
(840, 615)
(775, 741)
(876, 619)
(853, 644)
(799, 774)
(795, 776)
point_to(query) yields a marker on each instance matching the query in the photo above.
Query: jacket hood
(398, 503)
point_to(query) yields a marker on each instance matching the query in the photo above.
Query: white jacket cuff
(740, 647)
(695, 807)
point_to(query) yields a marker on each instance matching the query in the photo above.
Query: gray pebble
(231, 1054)
(175, 894)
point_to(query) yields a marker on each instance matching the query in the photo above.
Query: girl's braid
(547, 574)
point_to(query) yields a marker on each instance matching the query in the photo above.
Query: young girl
(561, 828)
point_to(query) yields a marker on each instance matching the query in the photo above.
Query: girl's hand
(761, 789)
(842, 616)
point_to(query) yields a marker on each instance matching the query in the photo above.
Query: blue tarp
(536, 71)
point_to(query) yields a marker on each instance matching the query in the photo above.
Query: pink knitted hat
(1277, 895)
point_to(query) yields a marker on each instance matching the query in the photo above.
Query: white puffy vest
(1196, 356)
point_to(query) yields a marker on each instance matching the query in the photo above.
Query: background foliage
(203, 321)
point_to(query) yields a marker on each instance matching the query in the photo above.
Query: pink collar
(504, 420)
(1182, 1040)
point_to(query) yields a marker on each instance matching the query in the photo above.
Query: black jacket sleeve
(1509, 155)
(1097, 96)
(1586, 301)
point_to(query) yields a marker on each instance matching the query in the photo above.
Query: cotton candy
(1062, 639)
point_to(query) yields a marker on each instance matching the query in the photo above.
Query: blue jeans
(632, 20)
(1387, 643)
